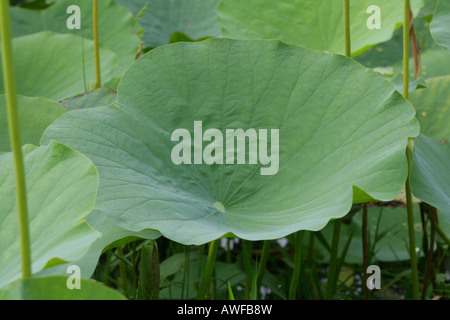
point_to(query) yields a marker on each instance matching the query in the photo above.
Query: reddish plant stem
(415, 49)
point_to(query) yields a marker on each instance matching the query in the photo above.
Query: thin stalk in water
(96, 46)
(14, 132)
(409, 203)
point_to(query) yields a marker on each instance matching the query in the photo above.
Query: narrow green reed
(409, 204)
(263, 262)
(209, 268)
(96, 46)
(14, 132)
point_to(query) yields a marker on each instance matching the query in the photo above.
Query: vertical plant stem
(83, 60)
(348, 46)
(414, 46)
(409, 204)
(263, 262)
(432, 214)
(406, 35)
(254, 292)
(365, 240)
(185, 271)
(412, 239)
(311, 264)
(96, 46)
(135, 259)
(297, 265)
(209, 269)
(332, 272)
(246, 254)
(423, 213)
(123, 271)
(14, 132)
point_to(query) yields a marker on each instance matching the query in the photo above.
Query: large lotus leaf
(61, 191)
(35, 115)
(430, 173)
(310, 23)
(115, 26)
(340, 125)
(51, 65)
(433, 108)
(111, 235)
(440, 26)
(195, 18)
(55, 288)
